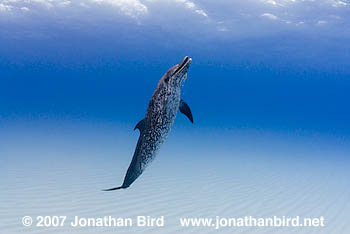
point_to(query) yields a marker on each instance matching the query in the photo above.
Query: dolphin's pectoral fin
(140, 125)
(185, 109)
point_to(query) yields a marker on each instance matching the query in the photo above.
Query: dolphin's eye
(167, 78)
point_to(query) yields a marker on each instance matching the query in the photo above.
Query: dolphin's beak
(185, 62)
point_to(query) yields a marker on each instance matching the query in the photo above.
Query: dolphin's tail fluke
(116, 188)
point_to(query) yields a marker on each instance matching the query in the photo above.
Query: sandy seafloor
(56, 169)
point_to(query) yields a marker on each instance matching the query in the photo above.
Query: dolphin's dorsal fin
(140, 125)
(185, 109)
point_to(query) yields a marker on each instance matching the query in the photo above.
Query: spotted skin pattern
(159, 119)
(161, 114)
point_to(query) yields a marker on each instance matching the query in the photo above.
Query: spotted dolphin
(160, 115)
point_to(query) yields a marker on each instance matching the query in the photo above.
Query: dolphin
(160, 115)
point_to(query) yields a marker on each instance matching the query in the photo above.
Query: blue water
(268, 87)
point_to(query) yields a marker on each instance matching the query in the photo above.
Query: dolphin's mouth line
(183, 64)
